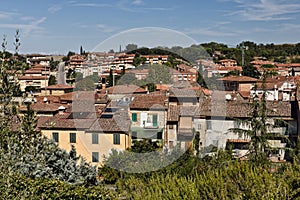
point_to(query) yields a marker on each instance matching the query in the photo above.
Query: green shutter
(134, 117)
(154, 120)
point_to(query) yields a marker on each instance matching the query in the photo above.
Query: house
(217, 114)
(92, 131)
(182, 107)
(56, 90)
(220, 71)
(68, 128)
(35, 78)
(278, 88)
(76, 62)
(37, 59)
(30, 81)
(110, 131)
(228, 63)
(148, 113)
(123, 60)
(236, 83)
(155, 59)
(292, 69)
(122, 92)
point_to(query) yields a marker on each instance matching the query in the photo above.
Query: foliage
(52, 80)
(144, 146)
(233, 73)
(131, 47)
(53, 64)
(159, 74)
(251, 71)
(23, 187)
(235, 180)
(86, 84)
(32, 166)
(127, 79)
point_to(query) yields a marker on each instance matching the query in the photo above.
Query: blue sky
(58, 26)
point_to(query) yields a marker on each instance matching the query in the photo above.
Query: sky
(59, 26)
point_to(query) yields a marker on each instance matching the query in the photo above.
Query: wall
(84, 146)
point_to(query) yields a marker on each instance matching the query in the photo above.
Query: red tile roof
(123, 89)
(33, 78)
(149, 101)
(238, 79)
(59, 87)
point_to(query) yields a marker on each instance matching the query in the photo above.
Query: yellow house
(107, 133)
(56, 90)
(92, 137)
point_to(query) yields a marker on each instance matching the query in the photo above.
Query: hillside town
(112, 115)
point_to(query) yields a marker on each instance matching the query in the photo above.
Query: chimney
(276, 95)
(61, 110)
(46, 100)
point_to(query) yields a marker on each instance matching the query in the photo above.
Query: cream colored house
(148, 113)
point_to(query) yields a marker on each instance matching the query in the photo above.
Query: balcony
(154, 133)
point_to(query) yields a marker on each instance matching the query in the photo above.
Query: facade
(148, 117)
(236, 83)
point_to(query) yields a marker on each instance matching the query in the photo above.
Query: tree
(52, 80)
(86, 84)
(144, 146)
(131, 47)
(127, 79)
(233, 73)
(251, 71)
(200, 80)
(53, 64)
(81, 50)
(78, 76)
(159, 74)
(110, 78)
(258, 127)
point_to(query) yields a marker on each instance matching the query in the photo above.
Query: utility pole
(243, 48)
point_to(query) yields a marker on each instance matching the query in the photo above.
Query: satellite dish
(228, 97)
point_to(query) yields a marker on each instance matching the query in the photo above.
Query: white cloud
(137, 2)
(214, 32)
(105, 28)
(55, 8)
(266, 10)
(91, 4)
(26, 28)
(7, 15)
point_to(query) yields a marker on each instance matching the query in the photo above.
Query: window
(72, 137)
(116, 138)
(134, 135)
(159, 135)
(199, 126)
(95, 157)
(55, 136)
(152, 119)
(95, 139)
(208, 125)
(134, 117)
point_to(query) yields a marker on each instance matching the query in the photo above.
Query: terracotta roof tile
(238, 79)
(123, 89)
(59, 87)
(148, 101)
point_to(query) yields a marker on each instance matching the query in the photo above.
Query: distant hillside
(283, 53)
